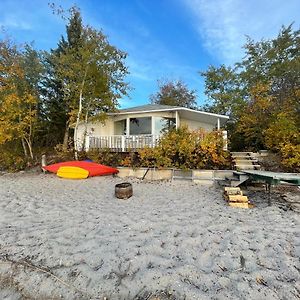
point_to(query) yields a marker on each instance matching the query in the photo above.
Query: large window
(120, 127)
(163, 125)
(140, 126)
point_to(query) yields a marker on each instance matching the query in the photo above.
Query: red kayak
(93, 168)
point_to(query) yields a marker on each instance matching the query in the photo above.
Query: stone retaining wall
(197, 176)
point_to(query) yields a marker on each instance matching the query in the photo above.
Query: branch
(40, 269)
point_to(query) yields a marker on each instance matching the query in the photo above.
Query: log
(237, 198)
(241, 205)
(233, 191)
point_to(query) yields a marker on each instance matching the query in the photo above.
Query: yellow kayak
(72, 173)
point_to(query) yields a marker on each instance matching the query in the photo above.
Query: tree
(55, 128)
(90, 73)
(18, 104)
(224, 91)
(269, 74)
(254, 119)
(57, 125)
(174, 93)
(274, 62)
(31, 63)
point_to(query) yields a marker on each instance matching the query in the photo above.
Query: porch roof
(184, 112)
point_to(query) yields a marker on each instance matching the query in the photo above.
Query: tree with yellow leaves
(17, 103)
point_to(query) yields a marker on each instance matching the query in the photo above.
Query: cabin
(133, 128)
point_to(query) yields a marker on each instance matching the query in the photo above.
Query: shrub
(12, 162)
(282, 131)
(283, 137)
(105, 157)
(130, 160)
(62, 154)
(290, 157)
(12, 158)
(186, 149)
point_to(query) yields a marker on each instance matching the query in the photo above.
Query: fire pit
(123, 190)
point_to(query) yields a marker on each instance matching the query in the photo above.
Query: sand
(64, 239)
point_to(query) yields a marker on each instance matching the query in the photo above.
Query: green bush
(184, 149)
(290, 157)
(104, 156)
(12, 158)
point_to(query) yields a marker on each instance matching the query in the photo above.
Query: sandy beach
(64, 239)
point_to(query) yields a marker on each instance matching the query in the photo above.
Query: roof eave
(169, 109)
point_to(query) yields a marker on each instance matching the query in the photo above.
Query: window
(140, 126)
(163, 125)
(120, 127)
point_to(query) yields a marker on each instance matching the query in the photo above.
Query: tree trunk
(79, 113)
(29, 147)
(66, 137)
(24, 148)
(85, 128)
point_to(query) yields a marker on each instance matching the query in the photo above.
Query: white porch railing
(123, 143)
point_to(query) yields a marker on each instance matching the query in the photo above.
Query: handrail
(123, 142)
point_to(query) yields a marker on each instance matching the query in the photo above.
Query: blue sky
(172, 39)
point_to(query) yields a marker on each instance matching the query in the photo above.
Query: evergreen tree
(57, 124)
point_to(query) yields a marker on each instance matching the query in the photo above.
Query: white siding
(94, 129)
(194, 125)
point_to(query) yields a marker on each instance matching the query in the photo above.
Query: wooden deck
(274, 177)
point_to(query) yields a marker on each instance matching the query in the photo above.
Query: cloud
(11, 21)
(224, 24)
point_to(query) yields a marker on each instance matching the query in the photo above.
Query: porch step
(249, 166)
(238, 154)
(245, 161)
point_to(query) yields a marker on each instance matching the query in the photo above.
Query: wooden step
(247, 164)
(237, 198)
(241, 205)
(241, 153)
(247, 167)
(233, 191)
(238, 159)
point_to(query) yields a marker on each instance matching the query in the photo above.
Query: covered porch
(143, 126)
(134, 132)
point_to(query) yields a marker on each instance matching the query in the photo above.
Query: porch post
(126, 141)
(177, 119)
(153, 131)
(87, 143)
(123, 143)
(127, 126)
(152, 126)
(218, 124)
